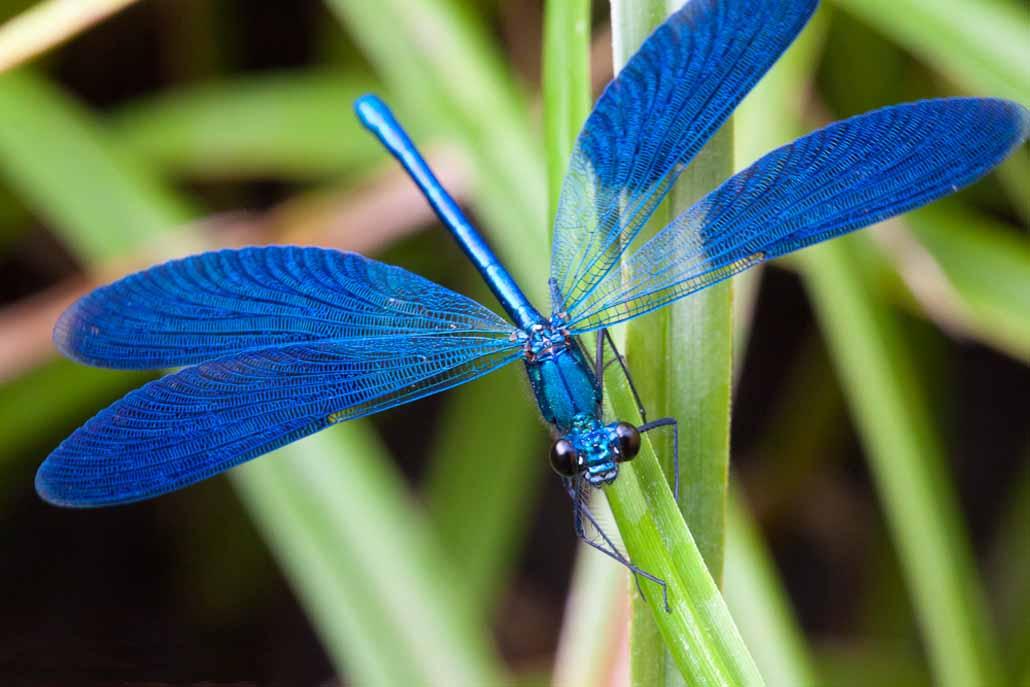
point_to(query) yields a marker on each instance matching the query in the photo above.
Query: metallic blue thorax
(561, 378)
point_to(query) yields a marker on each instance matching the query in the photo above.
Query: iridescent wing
(222, 303)
(668, 100)
(202, 420)
(290, 341)
(847, 176)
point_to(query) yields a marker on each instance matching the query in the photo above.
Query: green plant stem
(566, 85)
(704, 646)
(682, 360)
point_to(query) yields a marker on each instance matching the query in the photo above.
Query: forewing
(221, 303)
(844, 177)
(668, 100)
(202, 420)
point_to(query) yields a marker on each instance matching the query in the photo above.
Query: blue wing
(668, 100)
(202, 420)
(221, 303)
(844, 177)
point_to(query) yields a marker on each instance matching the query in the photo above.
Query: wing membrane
(221, 303)
(844, 177)
(675, 92)
(205, 419)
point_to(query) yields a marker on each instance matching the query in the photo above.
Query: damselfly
(280, 342)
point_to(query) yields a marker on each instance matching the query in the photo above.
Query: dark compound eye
(564, 458)
(629, 441)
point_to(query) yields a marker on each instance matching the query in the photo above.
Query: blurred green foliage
(402, 587)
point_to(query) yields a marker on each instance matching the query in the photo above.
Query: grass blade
(289, 125)
(386, 604)
(444, 69)
(691, 340)
(893, 416)
(49, 23)
(61, 162)
(594, 609)
(681, 357)
(703, 643)
(966, 246)
(755, 597)
(566, 85)
(983, 44)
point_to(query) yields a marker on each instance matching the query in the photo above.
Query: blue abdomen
(564, 386)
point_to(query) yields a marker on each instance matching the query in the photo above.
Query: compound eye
(629, 441)
(564, 458)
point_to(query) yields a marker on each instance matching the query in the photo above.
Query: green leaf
(365, 565)
(681, 357)
(703, 643)
(444, 68)
(966, 246)
(566, 85)
(63, 164)
(593, 609)
(983, 44)
(891, 409)
(439, 62)
(756, 599)
(293, 125)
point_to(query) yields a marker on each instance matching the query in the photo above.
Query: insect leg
(669, 422)
(607, 547)
(603, 334)
(599, 366)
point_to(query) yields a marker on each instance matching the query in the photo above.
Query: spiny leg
(604, 335)
(646, 426)
(580, 510)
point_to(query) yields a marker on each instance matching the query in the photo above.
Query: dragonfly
(278, 342)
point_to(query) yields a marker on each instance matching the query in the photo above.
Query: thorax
(561, 377)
